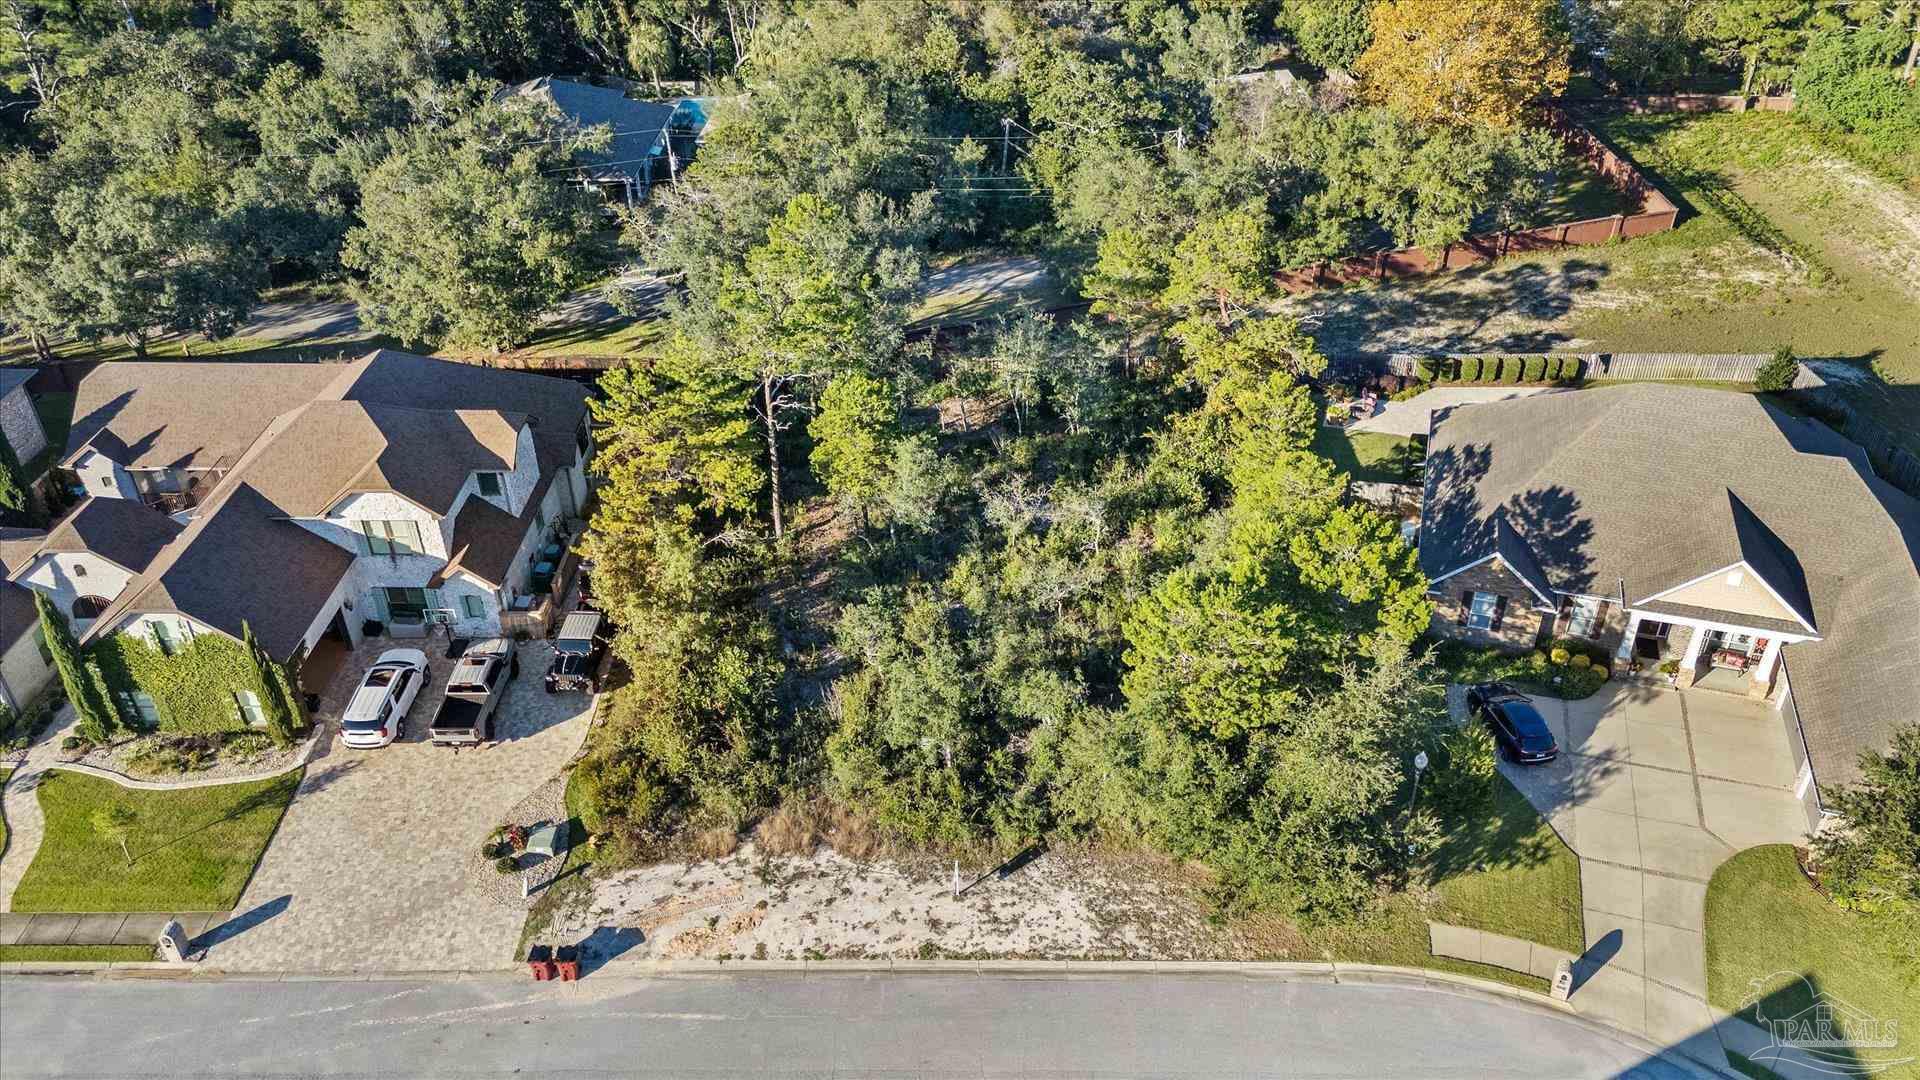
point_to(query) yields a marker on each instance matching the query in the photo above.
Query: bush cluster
(1504, 370)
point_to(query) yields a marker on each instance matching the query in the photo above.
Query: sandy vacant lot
(1061, 904)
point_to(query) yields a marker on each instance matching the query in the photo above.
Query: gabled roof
(237, 562)
(17, 547)
(639, 128)
(485, 540)
(1647, 487)
(184, 414)
(330, 449)
(125, 532)
(13, 378)
(1513, 550)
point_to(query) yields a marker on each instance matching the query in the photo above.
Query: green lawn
(193, 849)
(1365, 455)
(1766, 922)
(53, 954)
(1501, 869)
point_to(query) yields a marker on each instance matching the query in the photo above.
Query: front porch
(1726, 657)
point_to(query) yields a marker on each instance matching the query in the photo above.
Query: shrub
(1538, 659)
(1582, 660)
(246, 748)
(1470, 369)
(1670, 667)
(506, 864)
(1407, 393)
(1430, 368)
(1534, 369)
(75, 743)
(1560, 655)
(1778, 372)
(616, 785)
(1463, 780)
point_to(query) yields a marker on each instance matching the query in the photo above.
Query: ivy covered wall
(192, 689)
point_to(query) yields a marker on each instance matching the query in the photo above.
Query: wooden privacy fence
(1683, 103)
(1591, 367)
(1654, 213)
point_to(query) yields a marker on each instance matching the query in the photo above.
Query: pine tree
(98, 721)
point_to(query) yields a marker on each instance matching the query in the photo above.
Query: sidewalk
(101, 928)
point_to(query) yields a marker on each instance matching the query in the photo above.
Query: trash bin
(566, 962)
(540, 962)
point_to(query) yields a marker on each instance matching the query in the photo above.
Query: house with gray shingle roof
(309, 501)
(1756, 550)
(648, 141)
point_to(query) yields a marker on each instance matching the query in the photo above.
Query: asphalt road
(789, 1026)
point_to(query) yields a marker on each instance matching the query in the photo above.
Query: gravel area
(546, 806)
(115, 758)
(1065, 903)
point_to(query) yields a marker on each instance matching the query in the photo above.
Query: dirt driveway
(371, 867)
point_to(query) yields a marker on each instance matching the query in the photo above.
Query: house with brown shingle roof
(1756, 550)
(309, 501)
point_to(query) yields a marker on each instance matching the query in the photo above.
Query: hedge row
(1499, 369)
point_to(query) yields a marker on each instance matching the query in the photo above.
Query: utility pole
(1006, 138)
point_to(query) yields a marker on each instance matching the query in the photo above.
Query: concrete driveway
(370, 868)
(1654, 789)
(1414, 415)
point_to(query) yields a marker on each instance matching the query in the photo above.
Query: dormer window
(491, 484)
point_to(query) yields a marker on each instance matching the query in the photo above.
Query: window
(249, 705)
(490, 484)
(106, 482)
(1482, 610)
(163, 637)
(79, 570)
(406, 605)
(89, 607)
(475, 607)
(1583, 612)
(138, 709)
(40, 642)
(539, 517)
(392, 537)
(583, 438)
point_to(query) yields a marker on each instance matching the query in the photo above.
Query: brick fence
(1654, 213)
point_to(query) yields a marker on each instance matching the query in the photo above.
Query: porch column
(1763, 671)
(1690, 663)
(1625, 651)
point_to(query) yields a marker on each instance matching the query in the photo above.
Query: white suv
(380, 704)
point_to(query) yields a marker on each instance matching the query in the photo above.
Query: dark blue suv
(1517, 726)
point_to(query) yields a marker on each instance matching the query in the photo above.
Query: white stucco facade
(101, 476)
(65, 576)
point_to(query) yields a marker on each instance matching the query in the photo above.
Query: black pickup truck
(465, 717)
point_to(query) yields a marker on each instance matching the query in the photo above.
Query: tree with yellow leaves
(1465, 62)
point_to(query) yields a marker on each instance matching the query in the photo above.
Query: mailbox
(1563, 981)
(174, 944)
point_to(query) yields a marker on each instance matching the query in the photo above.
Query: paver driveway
(369, 868)
(1654, 789)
